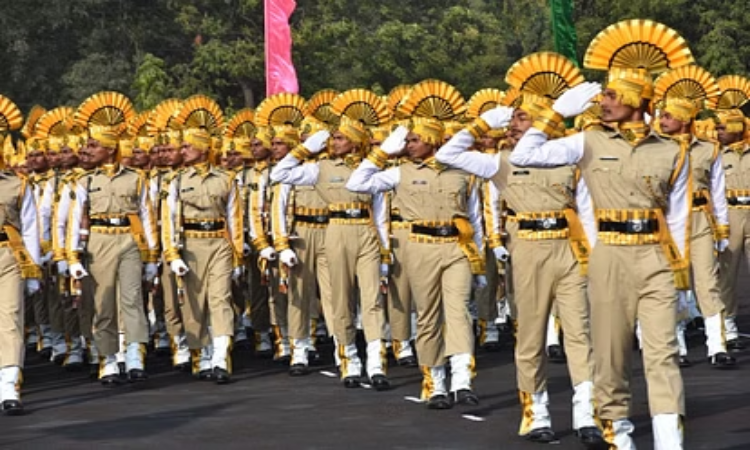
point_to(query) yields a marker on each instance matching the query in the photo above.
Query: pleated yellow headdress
(239, 133)
(633, 51)
(105, 115)
(200, 118)
(283, 114)
(11, 119)
(162, 124)
(138, 129)
(360, 109)
(735, 93)
(685, 91)
(428, 104)
(53, 127)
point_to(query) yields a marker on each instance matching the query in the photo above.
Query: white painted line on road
(473, 418)
(409, 398)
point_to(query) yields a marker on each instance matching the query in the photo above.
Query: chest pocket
(521, 177)
(100, 198)
(607, 170)
(457, 188)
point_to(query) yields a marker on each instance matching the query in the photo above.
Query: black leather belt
(510, 212)
(543, 224)
(397, 218)
(646, 226)
(700, 201)
(3, 237)
(114, 222)
(205, 226)
(446, 231)
(353, 213)
(319, 219)
(735, 201)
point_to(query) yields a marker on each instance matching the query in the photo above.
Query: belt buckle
(319, 219)
(637, 225)
(548, 223)
(116, 221)
(443, 231)
(354, 213)
(743, 200)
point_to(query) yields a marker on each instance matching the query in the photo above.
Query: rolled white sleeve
(678, 210)
(290, 170)
(368, 178)
(30, 226)
(454, 154)
(475, 215)
(536, 151)
(718, 192)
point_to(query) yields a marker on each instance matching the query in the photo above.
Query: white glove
(77, 271)
(62, 268)
(32, 286)
(721, 245)
(396, 141)
(246, 250)
(288, 257)
(47, 257)
(385, 269)
(480, 282)
(498, 117)
(150, 271)
(268, 254)
(501, 253)
(179, 267)
(576, 100)
(237, 273)
(317, 142)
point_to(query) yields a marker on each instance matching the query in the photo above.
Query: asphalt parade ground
(265, 408)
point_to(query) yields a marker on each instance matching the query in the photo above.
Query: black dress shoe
(723, 360)
(592, 438)
(206, 375)
(684, 362)
(314, 358)
(735, 345)
(380, 382)
(407, 361)
(93, 371)
(555, 354)
(74, 367)
(351, 382)
(298, 370)
(111, 381)
(45, 353)
(440, 401)
(283, 360)
(58, 360)
(465, 397)
(163, 351)
(543, 435)
(222, 376)
(137, 375)
(12, 408)
(183, 367)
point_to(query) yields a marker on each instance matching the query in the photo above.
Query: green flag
(563, 29)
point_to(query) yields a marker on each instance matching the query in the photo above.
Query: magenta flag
(280, 73)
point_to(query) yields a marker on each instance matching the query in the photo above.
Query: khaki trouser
(440, 279)
(11, 310)
(310, 272)
(705, 266)
(399, 293)
(546, 271)
(86, 308)
(208, 290)
(352, 251)
(729, 260)
(629, 283)
(116, 269)
(258, 296)
(486, 298)
(172, 313)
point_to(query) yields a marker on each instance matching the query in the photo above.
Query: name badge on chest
(336, 179)
(420, 182)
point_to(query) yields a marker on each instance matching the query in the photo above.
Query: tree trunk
(248, 93)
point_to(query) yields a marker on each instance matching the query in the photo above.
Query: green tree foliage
(60, 51)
